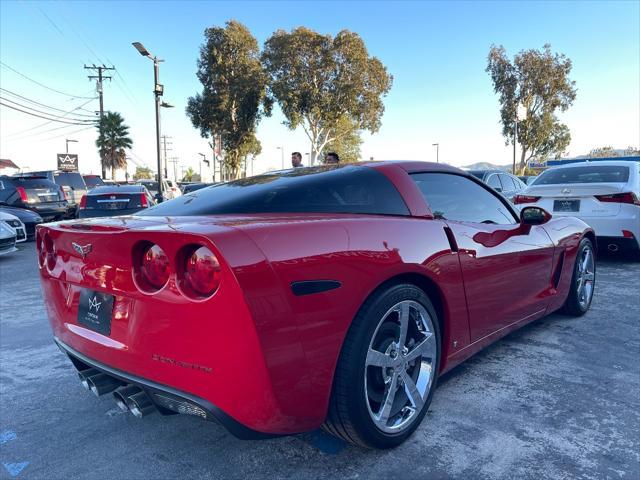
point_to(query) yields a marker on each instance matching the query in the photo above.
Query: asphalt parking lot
(557, 399)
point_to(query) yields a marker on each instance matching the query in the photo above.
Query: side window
(455, 197)
(507, 183)
(494, 182)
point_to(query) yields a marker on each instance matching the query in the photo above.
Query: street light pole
(281, 155)
(437, 145)
(204, 159)
(158, 90)
(515, 140)
(66, 141)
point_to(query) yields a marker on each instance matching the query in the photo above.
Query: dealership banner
(68, 162)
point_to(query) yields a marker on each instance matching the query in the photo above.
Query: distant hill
(487, 166)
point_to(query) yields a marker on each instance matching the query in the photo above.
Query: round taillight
(47, 252)
(154, 267)
(201, 272)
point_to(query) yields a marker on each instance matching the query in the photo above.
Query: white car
(17, 225)
(605, 194)
(173, 191)
(7, 239)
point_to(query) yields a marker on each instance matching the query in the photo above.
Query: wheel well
(430, 288)
(592, 236)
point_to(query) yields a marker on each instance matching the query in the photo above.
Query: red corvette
(329, 296)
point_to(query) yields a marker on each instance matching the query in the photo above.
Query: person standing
(331, 158)
(296, 160)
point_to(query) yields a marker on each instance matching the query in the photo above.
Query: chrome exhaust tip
(140, 404)
(121, 394)
(84, 376)
(102, 383)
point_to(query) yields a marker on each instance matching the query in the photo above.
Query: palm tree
(113, 138)
(188, 175)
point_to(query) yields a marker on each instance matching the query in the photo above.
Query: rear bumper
(617, 244)
(89, 213)
(157, 391)
(50, 212)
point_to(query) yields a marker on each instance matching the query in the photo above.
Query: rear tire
(583, 281)
(387, 369)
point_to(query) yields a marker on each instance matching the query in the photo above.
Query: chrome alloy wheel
(585, 276)
(399, 368)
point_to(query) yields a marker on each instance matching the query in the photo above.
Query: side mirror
(534, 216)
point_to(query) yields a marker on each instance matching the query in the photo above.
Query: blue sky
(436, 52)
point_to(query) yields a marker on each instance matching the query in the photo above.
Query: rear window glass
(150, 185)
(586, 174)
(93, 181)
(73, 180)
(34, 182)
(348, 189)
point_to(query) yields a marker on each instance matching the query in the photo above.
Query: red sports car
(329, 296)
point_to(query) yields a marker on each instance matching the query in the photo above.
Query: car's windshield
(586, 174)
(349, 189)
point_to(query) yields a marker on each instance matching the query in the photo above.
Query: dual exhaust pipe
(128, 397)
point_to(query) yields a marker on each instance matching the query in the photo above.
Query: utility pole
(164, 149)
(99, 79)
(174, 160)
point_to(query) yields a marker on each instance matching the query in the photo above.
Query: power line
(42, 104)
(31, 135)
(54, 115)
(40, 116)
(46, 123)
(42, 84)
(67, 133)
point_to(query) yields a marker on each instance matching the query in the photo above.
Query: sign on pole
(68, 162)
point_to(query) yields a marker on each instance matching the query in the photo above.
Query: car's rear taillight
(83, 202)
(46, 252)
(23, 194)
(154, 267)
(199, 275)
(518, 199)
(143, 201)
(627, 197)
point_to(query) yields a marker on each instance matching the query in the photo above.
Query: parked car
(527, 179)
(173, 190)
(152, 186)
(29, 218)
(39, 194)
(192, 187)
(15, 223)
(7, 239)
(92, 181)
(503, 182)
(72, 184)
(604, 194)
(339, 294)
(111, 200)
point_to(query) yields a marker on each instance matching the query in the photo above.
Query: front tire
(387, 370)
(583, 280)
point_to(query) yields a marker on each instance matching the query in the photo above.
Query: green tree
(113, 138)
(539, 81)
(143, 173)
(188, 175)
(347, 145)
(234, 89)
(318, 80)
